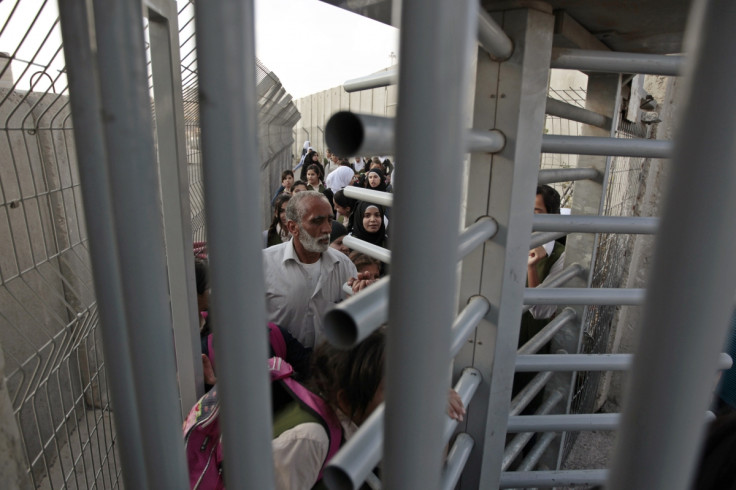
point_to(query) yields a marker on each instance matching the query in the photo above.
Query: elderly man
(304, 276)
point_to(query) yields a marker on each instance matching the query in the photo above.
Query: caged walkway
(485, 68)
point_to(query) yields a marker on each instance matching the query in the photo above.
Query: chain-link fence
(54, 368)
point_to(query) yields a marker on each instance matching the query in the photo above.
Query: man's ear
(292, 227)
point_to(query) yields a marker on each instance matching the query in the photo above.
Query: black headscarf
(378, 238)
(381, 186)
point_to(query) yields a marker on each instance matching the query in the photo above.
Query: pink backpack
(202, 428)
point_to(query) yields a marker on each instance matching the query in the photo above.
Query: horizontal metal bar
(558, 108)
(492, 38)
(358, 456)
(545, 335)
(467, 321)
(369, 195)
(583, 296)
(355, 318)
(475, 235)
(595, 224)
(371, 250)
(540, 238)
(477, 141)
(465, 387)
(527, 394)
(548, 479)
(559, 279)
(598, 145)
(551, 176)
(456, 460)
(559, 423)
(533, 457)
(375, 80)
(585, 362)
(616, 62)
(520, 440)
(349, 133)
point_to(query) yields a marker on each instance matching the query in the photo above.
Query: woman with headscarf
(305, 149)
(375, 180)
(312, 158)
(369, 225)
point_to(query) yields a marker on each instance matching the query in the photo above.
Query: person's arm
(546, 311)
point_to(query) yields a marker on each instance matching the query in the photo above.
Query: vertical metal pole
(437, 45)
(136, 204)
(689, 301)
(163, 34)
(510, 97)
(228, 108)
(84, 94)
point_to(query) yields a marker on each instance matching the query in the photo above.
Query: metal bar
(380, 253)
(520, 440)
(600, 145)
(539, 238)
(491, 141)
(475, 235)
(587, 362)
(558, 108)
(559, 423)
(467, 321)
(355, 318)
(375, 80)
(699, 290)
(350, 133)
(465, 387)
(138, 224)
(229, 108)
(550, 176)
(369, 195)
(527, 394)
(456, 459)
(84, 94)
(357, 458)
(548, 479)
(535, 454)
(583, 296)
(492, 38)
(560, 279)
(549, 331)
(595, 224)
(616, 62)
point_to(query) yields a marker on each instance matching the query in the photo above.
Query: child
(287, 181)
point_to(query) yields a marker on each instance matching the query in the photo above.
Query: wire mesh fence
(54, 368)
(613, 256)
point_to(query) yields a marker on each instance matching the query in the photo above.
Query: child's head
(287, 179)
(313, 175)
(351, 379)
(366, 264)
(298, 186)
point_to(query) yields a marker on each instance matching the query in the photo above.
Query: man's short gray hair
(296, 209)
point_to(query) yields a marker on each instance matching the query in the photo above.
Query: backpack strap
(278, 343)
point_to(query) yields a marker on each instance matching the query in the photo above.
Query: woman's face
(374, 180)
(372, 219)
(370, 271)
(312, 178)
(288, 181)
(297, 189)
(344, 211)
(315, 157)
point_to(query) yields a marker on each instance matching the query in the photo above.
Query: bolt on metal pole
(229, 108)
(699, 290)
(138, 224)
